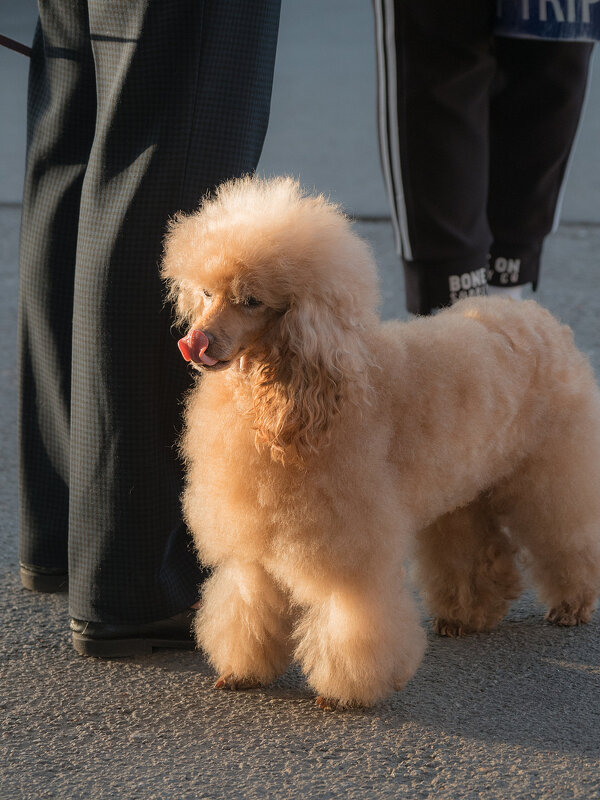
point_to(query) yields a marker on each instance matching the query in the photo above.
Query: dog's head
(274, 280)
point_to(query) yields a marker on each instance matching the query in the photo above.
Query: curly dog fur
(324, 447)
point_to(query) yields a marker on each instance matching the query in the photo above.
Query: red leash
(16, 46)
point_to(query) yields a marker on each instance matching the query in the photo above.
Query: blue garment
(567, 20)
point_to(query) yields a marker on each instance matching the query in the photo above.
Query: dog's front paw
(232, 682)
(568, 614)
(327, 703)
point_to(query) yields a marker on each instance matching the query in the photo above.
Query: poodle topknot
(323, 448)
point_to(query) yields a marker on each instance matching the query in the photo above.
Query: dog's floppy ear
(316, 364)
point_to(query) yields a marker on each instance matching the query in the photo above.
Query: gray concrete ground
(511, 714)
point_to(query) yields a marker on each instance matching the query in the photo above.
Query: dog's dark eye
(251, 302)
(206, 293)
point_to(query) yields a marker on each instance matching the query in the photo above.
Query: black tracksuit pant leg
(475, 135)
(534, 114)
(136, 110)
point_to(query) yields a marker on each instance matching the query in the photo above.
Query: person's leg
(61, 119)
(534, 116)
(435, 68)
(183, 92)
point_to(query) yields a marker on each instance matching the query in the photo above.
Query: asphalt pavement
(510, 714)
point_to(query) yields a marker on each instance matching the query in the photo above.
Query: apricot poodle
(323, 448)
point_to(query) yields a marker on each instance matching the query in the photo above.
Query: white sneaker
(516, 292)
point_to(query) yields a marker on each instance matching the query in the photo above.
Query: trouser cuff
(432, 286)
(511, 265)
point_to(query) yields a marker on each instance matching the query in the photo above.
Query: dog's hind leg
(466, 570)
(555, 516)
(244, 625)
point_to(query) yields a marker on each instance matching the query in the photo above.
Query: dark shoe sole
(122, 648)
(40, 580)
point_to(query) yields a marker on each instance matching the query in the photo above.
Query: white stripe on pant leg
(383, 121)
(388, 122)
(563, 186)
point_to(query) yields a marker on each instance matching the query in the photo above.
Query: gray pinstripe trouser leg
(135, 111)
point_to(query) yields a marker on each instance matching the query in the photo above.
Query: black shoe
(103, 640)
(44, 579)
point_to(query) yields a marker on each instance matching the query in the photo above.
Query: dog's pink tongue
(193, 346)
